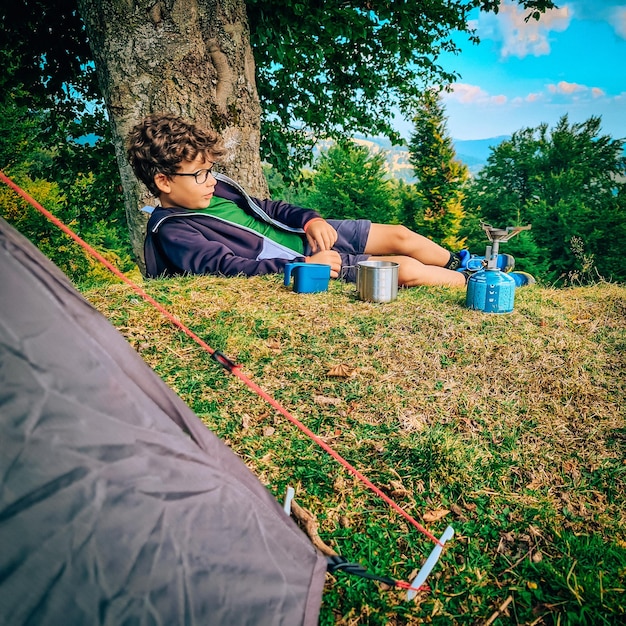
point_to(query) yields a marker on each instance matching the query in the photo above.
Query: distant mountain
(477, 150)
(472, 152)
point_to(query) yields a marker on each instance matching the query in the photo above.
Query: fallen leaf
(437, 514)
(571, 469)
(325, 400)
(310, 525)
(399, 493)
(341, 371)
(268, 431)
(458, 511)
(274, 345)
(398, 490)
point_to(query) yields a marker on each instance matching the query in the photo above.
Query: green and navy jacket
(179, 241)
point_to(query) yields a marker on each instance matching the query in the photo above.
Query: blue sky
(525, 73)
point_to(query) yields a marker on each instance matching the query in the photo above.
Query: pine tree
(351, 183)
(438, 210)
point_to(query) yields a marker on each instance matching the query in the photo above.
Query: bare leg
(391, 239)
(412, 273)
(421, 260)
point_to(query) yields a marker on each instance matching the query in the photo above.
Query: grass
(509, 427)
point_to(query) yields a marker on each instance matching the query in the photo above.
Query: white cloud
(617, 19)
(566, 88)
(530, 98)
(533, 97)
(519, 37)
(472, 94)
(575, 90)
(611, 11)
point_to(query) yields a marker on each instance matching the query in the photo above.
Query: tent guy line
(118, 504)
(234, 369)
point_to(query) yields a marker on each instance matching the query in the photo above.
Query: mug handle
(288, 269)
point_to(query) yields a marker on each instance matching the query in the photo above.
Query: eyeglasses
(200, 176)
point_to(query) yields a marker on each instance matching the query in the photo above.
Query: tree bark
(187, 57)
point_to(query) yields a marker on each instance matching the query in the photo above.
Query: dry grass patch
(512, 424)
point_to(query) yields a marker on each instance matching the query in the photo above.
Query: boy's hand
(320, 235)
(327, 257)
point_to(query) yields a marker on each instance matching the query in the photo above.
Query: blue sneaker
(474, 263)
(522, 279)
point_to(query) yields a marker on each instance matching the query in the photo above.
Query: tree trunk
(188, 57)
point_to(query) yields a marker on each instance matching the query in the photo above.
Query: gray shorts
(351, 240)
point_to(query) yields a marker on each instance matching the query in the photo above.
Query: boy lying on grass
(207, 224)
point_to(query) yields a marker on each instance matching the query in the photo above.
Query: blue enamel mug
(307, 277)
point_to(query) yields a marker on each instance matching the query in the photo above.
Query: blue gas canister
(491, 291)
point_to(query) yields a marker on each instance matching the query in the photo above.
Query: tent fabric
(117, 505)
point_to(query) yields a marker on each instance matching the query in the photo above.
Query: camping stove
(490, 289)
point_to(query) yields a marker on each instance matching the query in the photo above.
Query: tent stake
(288, 498)
(431, 561)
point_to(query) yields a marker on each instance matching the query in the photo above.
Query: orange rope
(233, 368)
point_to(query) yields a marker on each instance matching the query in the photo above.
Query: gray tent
(117, 506)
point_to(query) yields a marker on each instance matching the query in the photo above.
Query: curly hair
(161, 142)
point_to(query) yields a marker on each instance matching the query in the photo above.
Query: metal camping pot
(377, 281)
